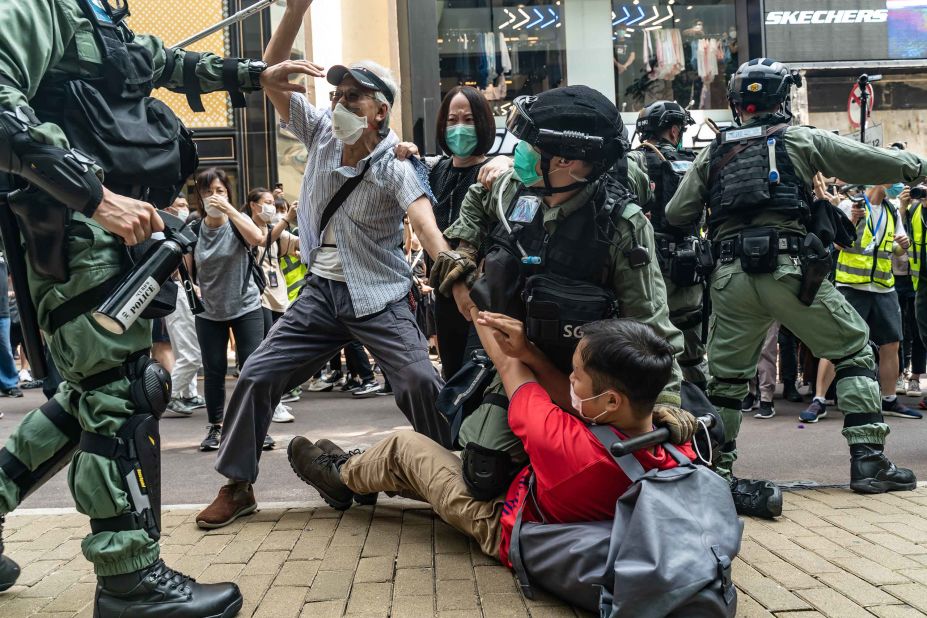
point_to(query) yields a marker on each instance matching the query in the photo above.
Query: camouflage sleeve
(641, 292)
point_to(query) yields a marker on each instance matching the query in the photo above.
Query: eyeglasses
(350, 96)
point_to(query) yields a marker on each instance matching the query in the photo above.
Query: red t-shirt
(576, 478)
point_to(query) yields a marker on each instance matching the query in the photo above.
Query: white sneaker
(914, 388)
(282, 414)
(901, 386)
(25, 376)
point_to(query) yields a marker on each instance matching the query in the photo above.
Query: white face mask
(577, 404)
(213, 211)
(276, 218)
(183, 213)
(347, 126)
(267, 212)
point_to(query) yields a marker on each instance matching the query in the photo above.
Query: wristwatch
(255, 68)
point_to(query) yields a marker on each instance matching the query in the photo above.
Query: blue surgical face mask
(895, 190)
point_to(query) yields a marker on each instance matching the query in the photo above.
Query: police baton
(651, 438)
(241, 15)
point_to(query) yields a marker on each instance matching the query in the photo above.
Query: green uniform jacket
(640, 291)
(810, 151)
(52, 37)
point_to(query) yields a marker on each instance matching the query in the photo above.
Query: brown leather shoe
(233, 502)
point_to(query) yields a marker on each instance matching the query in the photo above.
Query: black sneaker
(813, 413)
(790, 393)
(9, 570)
(766, 410)
(160, 591)
(31, 384)
(757, 498)
(317, 468)
(749, 403)
(352, 384)
(11, 392)
(342, 456)
(872, 473)
(269, 443)
(213, 434)
(370, 388)
(896, 408)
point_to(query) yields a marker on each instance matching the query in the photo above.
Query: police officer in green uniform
(564, 244)
(661, 126)
(755, 180)
(85, 157)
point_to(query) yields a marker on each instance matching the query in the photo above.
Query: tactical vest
(144, 149)
(741, 180)
(665, 170)
(862, 264)
(917, 250)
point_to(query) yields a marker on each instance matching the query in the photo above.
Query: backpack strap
(629, 464)
(681, 459)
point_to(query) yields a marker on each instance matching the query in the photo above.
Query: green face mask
(526, 163)
(461, 139)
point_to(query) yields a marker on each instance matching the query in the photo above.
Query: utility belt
(758, 249)
(686, 261)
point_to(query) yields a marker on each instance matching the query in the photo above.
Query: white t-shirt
(876, 217)
(327, 263)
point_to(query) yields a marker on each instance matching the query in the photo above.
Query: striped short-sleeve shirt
(368, 225)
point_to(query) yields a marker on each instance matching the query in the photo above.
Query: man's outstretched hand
(508, 333)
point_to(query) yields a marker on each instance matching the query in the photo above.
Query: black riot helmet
(573, 122)
(761, 83)
(661, 115)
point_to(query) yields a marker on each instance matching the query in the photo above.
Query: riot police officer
(564, 244)
(85, 157)
(661, 126)
(755, 179)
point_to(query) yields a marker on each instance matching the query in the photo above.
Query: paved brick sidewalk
(832, 554)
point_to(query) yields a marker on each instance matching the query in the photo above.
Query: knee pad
(487, 472)
(136, 451)
(150, 386)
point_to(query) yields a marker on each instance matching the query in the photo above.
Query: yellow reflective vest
(862, 263)
(294, 272)
(916, 250)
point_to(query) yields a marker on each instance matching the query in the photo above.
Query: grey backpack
(668, 552)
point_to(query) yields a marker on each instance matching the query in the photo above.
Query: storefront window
(670, 50)
(505, 48)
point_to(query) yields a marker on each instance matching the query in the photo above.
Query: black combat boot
(872, 473)
(9, 570)
(159, 591)
(757, 498)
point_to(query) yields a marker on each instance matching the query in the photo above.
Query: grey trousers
(317, 324)
(187, 356)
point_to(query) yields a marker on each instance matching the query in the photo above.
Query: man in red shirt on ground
(619, 368)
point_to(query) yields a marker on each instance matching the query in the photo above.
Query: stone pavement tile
(52, 584)
(458, 594)
(912, 594)
(297, 573)
(872, 572)
(282, 602)
(553, 612)
(36, 571)
(770, 594)
(71, 599)
(905, 530)
(267, 515)
(416, 533)
(751, 551)
(330, 586)
(52, 538)
(220, 572)
(238, 550)
(896, 611)
(857, 590)
(280, 540)
(340, 558)
(210, 545)
(803, 517)
(233, 528)
(835, 498)
(324, 527)
(448, 540)
(747, 607)
(503, 605)
(494, 579)
(255, 530)
(412, 607)
(265, 563)
(786, 574)
(370, 599)
(799, 615)
(824, 547)
(414, 582)
(352, 530)
(415, 555)
(375, 569)
(831, 603)
(771, 539)
(294, 519)
(788, 528)
(23, 556)
(878, 554)
(382, 541)
(23, 606)
(853, 523)
(918, 575)
(65, 551)
(192, 565)
(895, 543)
(309, 546)
(808, 561)
(453, 566)
(323, 609)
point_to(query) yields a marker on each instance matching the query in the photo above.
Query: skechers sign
(846, 31)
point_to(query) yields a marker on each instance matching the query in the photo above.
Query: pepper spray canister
(136, 291)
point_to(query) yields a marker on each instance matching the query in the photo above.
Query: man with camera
(755, 179)
(86, 154)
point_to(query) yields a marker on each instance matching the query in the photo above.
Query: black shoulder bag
(339, 197)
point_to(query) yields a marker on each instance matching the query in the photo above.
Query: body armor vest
(749, 172)
(145, 151)
(665, 171)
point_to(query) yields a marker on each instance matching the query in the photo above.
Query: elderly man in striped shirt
(354, 195)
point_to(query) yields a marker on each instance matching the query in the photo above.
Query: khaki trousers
(416, 466)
